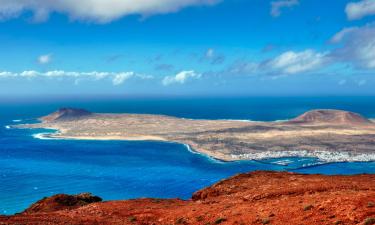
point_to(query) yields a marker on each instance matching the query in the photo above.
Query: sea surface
(31, 168)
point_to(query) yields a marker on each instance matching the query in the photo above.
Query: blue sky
(187, 47)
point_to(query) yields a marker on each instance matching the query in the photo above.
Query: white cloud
(45, 59)
(115, 78)
(28, 73)
(287, 63)
(358, 10)
(6, 74)
(180, 78)
(101, 11)
(121, 78)
(357, 46)
(297, 62)
(277, 6)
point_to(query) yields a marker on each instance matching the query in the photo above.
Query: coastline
(324, 157)
(326, 135)
(57, 135)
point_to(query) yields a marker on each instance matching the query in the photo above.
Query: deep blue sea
(31, 169)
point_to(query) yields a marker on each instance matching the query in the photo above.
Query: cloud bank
(101, 11)
(115, 78)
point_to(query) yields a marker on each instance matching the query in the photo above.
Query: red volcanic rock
(334, 117)
(277, 198)
(66, 114)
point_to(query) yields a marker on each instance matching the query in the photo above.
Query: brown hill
(328, 116)
(277, 198)
(66, 114)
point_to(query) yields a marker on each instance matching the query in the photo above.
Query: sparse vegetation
(266, 221)
(180, 221)
(199, 218)
(369, 221)
(156, 200)
(220, 220)
(132, 219)
(308, 207)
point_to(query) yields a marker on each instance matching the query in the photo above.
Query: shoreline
(326, 135)
(51, 136)
(323, 157)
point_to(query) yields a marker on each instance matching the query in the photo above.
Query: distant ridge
(66, 114)
(329, 116)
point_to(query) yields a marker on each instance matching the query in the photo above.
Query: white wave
(198, 153)
(283, 162)
(16, 121)
(280, 121)
(189, 149)
(7, 127)
(43, 136)
(249, 121)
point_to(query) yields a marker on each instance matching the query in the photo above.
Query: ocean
(32, 168)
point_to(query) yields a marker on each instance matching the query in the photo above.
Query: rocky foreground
(253, 198)
(330, 135)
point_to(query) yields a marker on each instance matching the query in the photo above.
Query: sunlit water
(31, 168)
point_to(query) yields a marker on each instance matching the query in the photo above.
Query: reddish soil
(254, 198)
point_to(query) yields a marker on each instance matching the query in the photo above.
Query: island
(256, 198)
(329, 135)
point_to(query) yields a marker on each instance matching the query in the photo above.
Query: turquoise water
(31, 168)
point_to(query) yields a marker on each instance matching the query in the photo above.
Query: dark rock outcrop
(66, 114)
(61, 202)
